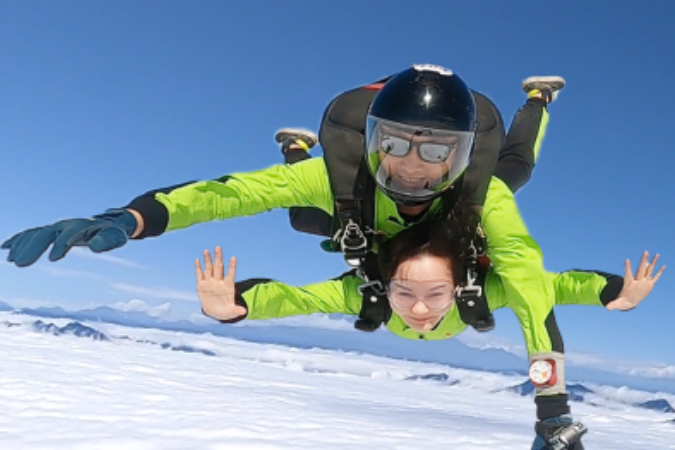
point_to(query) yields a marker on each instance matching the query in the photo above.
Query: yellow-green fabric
(516, 257)
(274, 300)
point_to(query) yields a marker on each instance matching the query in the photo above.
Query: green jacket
(516, 257)
(273, 299)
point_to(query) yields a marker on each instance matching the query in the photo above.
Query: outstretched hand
(216, 289)
(635, 289)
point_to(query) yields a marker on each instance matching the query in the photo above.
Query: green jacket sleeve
(573, 287)
(273, 299)
(239, 194)
(576, 287)
(518, 261)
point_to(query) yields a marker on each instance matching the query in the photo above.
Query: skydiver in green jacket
(421, 268)
(409, 187)
(261, 299)
(419, 136)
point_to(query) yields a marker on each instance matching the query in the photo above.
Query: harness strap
(471, 300)
(375, 309)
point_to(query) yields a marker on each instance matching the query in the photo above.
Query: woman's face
(422, 291)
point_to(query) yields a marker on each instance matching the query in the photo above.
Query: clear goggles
(436, 295)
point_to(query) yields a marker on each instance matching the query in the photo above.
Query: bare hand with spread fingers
(216, 289)
(635, 289)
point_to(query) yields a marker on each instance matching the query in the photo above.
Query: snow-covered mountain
(578, 392)
(165, 389)
(337, 333)
(73, 328)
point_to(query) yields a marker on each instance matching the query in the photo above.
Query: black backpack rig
(351, 230)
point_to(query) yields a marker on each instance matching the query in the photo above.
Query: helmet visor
(414, 161)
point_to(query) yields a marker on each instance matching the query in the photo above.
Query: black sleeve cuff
(612, 288)
(155, 216)
(551, 405)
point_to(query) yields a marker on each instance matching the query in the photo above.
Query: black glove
(101, 233)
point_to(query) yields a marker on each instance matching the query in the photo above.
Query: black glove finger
(107, 239)
(28, 249)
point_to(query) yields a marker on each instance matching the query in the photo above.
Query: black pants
(518, 156)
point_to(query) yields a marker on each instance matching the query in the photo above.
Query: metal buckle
(567, 436)
(352, 231)
(469, 291)
(375, 285)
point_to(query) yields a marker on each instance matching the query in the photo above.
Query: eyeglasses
(437, 295)
(430, 152)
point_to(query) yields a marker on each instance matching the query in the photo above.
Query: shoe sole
(554, 83)
(306, 136)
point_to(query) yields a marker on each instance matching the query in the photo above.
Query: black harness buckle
(374, 304)
(471, 301)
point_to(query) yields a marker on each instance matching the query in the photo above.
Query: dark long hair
(448, 238)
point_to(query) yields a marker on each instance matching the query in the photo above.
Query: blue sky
(102, 101)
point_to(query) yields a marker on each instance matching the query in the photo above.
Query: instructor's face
(422, 291)
(413, 172)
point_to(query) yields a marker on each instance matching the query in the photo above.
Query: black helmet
(419, 133)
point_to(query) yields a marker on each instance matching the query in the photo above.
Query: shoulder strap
(472, 187)
(490, 138)
(342, 136)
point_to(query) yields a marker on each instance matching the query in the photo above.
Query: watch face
(541, 371)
